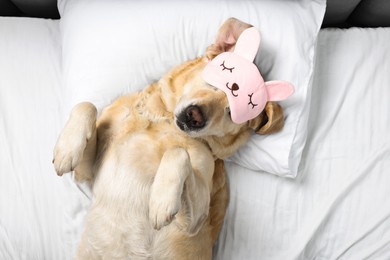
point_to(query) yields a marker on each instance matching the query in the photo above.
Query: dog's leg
(197, 202)
(219, 199)
(177, 184)
(76, 146)
(167, 188)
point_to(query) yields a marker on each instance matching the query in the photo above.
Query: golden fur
(154, 160)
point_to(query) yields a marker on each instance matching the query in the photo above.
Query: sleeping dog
(154, 162)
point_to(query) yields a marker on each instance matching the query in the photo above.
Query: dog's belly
(126, 173)
(119, 212)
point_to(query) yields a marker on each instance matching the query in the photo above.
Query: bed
(333, 203)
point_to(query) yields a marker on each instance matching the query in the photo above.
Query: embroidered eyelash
(226, 68)
(250, 101)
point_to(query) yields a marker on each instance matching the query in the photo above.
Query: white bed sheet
(36, 218)
(339, 206)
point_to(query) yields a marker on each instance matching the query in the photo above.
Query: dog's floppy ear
(227, 37)
(269, 121)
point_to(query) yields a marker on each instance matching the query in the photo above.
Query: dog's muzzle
(191, 119)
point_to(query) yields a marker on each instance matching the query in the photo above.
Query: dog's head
(202, 111)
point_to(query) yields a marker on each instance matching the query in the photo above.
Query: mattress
(337, 208)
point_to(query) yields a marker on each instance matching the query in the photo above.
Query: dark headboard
(360, 13)
(30, 8)
(339, 13)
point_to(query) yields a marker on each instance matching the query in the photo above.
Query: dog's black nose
(191, 118)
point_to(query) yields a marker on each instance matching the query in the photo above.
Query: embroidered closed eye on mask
(237, 75)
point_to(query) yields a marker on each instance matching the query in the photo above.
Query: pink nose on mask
(237, 75)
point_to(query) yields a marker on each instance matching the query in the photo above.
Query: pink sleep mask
(237, 75)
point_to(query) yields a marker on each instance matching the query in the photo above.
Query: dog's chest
(142, 150)
(126, 170)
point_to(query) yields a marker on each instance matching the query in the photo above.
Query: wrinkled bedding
(338, 207)
(37, 208)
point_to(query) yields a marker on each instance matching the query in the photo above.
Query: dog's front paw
(163, 206)
(70, 146)
(68, 153)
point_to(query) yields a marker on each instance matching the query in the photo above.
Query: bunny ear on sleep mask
(237, 75)
(248, 44)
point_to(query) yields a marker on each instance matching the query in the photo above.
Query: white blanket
(35, 204)
(338, 207)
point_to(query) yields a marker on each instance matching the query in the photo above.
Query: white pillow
(113, 47)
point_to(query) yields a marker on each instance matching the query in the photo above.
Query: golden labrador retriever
(154, 162)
